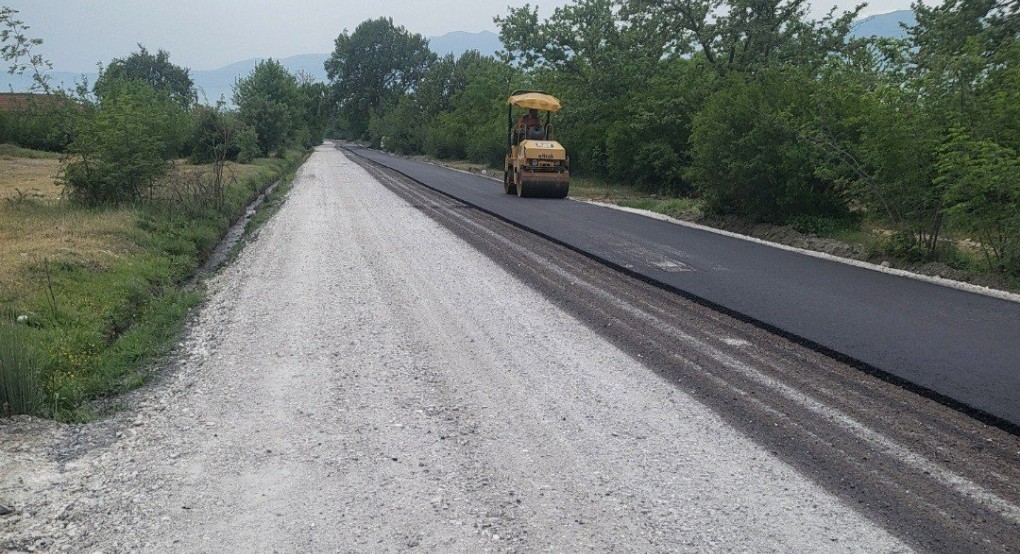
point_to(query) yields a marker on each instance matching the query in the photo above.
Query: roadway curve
(958, 347)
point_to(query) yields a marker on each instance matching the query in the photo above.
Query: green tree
(316, 109)
(748, 156)
(982, 183)
(744, 35)
(156, 69)
(371, 68)
(594, 62)
(124, 144)
(17, 49)
(269, 101)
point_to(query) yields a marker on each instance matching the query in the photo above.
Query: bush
(748, 157)
(447, 138)
(247, 142)
(123, 144)
(220, 135)
(982, 182)
(46, 124)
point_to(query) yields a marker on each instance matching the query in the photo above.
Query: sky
(204, 34)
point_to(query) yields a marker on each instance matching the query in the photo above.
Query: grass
(21, 387)
(98, 290)
(602, 190)
(678, 208)
(10, 151)
(29, 178)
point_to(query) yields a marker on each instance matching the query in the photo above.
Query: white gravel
(362, 380)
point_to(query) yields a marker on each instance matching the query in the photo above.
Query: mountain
(458, 42)
(215, 83)
(885, 25)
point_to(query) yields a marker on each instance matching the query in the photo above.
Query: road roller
(536, 165)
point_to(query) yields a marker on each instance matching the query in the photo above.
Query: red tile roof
(23, 101)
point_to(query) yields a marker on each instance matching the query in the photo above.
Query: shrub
(123, 144)
(748, 157)
(220, 135)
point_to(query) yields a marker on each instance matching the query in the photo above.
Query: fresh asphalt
(960, 347)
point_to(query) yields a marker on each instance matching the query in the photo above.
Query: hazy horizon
(201, 36)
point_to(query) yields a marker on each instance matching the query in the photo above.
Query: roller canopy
(535, 100)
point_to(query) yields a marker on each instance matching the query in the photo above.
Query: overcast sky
(204, 34)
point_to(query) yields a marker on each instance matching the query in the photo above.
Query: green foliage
(269, 101)
(747, 156)
(17, 50)
(123, 144)
(247, 142)
(171, 80)
(315, 111)
(47, 123)
(744, 35)
(371, 68)
(651, 146)
(219, 135)
(982, 183)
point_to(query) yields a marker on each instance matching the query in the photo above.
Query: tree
(748, 156)
(744, 35)
(171, 80)
(123, 144)
(589, 58)
(982, 182)
(372, 68)
(269, 101)
(316, 109)
(17, 48)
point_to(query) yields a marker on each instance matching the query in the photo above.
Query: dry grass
(232, 170)
(36, 225)
(34, 178)
(32, 233)
(46, 228)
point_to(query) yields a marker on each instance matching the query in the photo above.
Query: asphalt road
(959, 347)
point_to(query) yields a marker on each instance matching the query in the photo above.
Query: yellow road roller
(536, 165)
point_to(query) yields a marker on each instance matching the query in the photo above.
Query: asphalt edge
(935, 280)
(976, 413)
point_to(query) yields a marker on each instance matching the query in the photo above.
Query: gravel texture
(360, 379)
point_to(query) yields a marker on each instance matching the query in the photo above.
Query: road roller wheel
(508, 186)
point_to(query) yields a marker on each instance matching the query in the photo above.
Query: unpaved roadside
(360, 379)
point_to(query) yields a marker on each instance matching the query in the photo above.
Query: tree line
(121, 134)
(754, 107)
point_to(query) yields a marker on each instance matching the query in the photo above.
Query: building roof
(25, 101)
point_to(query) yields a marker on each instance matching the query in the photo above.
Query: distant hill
(214, 83)
(885, 25)
(486, 42)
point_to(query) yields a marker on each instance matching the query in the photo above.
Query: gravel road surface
(384, 369)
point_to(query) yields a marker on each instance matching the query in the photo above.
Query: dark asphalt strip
(958, 348)
(932, 476)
